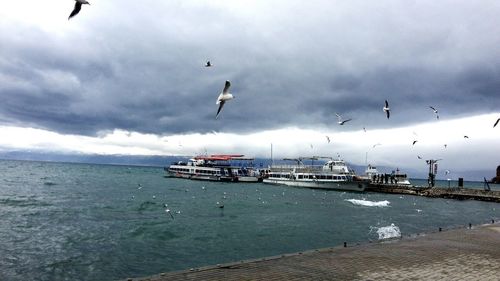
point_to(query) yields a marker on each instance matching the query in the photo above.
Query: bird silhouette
(494, 125)
(78, 7)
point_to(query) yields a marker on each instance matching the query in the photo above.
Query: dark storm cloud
(143, 71)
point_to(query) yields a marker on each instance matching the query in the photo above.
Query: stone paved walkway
(459, 254)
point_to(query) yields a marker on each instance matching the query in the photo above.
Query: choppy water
(94, 222)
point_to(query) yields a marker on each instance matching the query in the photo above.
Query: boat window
(301, 176)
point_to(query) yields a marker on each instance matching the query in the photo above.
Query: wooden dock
(439, 192)
(458, 254)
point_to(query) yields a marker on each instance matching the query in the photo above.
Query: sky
(128, 77)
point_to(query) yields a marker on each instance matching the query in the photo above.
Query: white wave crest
(367, 203)
(387, 232)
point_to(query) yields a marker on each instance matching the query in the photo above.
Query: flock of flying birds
(225, 95)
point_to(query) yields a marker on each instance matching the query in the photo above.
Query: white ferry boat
(214, 168)
(334, 174)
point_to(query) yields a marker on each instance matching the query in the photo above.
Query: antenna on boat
(272, 160)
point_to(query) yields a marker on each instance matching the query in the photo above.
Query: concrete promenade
(457, 254)
(438, 192)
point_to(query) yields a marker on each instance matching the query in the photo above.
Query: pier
(438, 192)
(467, 253)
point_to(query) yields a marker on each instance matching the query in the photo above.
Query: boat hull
(216, 177)
(202, 177)
(249, 179)
(332, 185)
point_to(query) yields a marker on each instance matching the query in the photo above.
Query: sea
(63, 221)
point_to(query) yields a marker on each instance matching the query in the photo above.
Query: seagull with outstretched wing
(78, 7)
(386, 109)
(435, 111)
(340, 121)
(223, 97)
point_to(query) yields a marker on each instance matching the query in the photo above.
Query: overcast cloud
(137, 66)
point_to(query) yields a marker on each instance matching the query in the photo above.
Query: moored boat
(333, 174)
(215, 168)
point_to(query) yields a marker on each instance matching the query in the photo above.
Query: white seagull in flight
(386, 109)
(223, 97)
(435, 111)
(341, 122)
(78, 7)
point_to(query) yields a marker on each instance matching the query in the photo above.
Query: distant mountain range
(162, 161)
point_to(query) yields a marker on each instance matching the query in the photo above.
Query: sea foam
(387, 232)
(367, 203)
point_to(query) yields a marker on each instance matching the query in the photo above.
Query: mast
(272, 160)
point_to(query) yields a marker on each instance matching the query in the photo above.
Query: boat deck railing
(298, 169)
